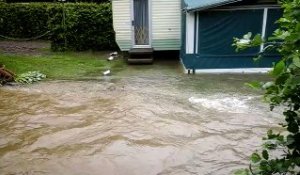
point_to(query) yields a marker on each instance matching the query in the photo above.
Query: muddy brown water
(145, 120)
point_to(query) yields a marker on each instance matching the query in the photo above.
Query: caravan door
(141, 24)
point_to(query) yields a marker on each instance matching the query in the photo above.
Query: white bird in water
(110, 58)
(107, 72)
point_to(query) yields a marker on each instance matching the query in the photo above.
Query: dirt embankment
(24, 47)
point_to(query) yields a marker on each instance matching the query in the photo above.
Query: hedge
(16, 1)
(23, 20)
(87, 25)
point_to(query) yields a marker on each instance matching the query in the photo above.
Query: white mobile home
(202, 30)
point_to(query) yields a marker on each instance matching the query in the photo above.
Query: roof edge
(211, 6)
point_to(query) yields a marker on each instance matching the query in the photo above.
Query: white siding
(190, 33)
(165, 20)
(122, 23)
(166, 24)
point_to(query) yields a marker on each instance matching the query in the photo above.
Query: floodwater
(145, 120)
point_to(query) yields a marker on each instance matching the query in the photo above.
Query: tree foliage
(281, 151)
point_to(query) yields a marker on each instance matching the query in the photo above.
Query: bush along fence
(69, 26)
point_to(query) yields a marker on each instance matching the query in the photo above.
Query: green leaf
(255, 158)
(280, 138)
(281, 79)
(265, 154)
(281, 34)
(242, 172)
(290, 139)
(264, 166)
(254, 84)
(278, 68)
(257, 40)
(296, 60)
(293, 127)
(270, 145)
(258, 58)
(247, 36)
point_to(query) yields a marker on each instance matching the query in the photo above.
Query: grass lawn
(67, 65)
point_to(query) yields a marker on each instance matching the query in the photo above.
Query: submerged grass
(67, 65)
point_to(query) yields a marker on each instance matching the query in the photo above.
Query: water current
(144, 120)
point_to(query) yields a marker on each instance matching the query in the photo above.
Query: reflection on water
(148, 120)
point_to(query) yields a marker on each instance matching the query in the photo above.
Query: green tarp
(217, 29)
(215, 38)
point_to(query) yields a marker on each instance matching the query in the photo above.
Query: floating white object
(110, 58)
(114, 54)
(107, 72)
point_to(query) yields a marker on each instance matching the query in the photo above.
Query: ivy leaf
(265, 154)
(255, 158)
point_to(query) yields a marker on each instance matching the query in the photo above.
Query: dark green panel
(196, 61)
(216, 32)
(273, 16)
(183, 35)
(217, 29)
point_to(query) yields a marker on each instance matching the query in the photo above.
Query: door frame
(149, 24)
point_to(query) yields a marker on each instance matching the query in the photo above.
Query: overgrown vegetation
(87, 26)
(281, 151)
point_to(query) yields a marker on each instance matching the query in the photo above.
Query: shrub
(87, 25)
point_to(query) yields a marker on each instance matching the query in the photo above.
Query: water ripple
(150, 124)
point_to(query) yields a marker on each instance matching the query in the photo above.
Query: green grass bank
(67, 65)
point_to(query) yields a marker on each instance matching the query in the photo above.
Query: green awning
(198, 5)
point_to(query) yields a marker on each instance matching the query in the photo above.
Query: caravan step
(141, 51)
(140, 60)
(140, 55)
